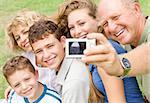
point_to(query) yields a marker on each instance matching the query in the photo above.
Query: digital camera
(75, 47)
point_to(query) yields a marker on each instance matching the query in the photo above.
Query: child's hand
(7, 91)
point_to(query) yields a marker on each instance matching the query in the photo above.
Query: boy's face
(24, 83)
(49, 51)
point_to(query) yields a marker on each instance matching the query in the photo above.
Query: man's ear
(137, 8)
(63, 40)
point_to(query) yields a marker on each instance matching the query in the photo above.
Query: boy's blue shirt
(131, 88)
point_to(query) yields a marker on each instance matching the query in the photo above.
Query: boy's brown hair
(15, 64)
(42, 29)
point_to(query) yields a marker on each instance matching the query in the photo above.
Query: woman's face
(21, 37)
(80, 23)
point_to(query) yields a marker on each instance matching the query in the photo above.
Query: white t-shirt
(48, 96)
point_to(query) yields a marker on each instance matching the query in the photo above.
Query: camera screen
(76, 48)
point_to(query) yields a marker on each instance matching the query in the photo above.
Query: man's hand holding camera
(103, 55)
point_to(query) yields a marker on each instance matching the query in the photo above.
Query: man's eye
(105, 24)
(116, 17)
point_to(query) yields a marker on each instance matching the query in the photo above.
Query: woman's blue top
(131, 88)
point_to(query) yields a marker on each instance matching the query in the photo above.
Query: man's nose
(111, 26)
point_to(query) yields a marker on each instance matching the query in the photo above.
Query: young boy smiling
(22, 77)
(48, 44)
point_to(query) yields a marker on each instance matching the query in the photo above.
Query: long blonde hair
(25, 18)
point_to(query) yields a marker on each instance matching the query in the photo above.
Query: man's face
(24, 83)
(80, 23)
(49, 52)
(119, 21)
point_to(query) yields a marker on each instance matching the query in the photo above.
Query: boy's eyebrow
(49, 44)
(37, 50)
(14, 83)
(44, 46)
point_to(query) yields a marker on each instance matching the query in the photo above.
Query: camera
(75, 47)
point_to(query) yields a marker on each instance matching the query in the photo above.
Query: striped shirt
(48, 96)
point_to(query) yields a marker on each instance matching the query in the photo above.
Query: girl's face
(21, 36)
(81, 23)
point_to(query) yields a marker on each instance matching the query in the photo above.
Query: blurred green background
(8, 9)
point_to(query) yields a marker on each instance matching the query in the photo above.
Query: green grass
(8, 9)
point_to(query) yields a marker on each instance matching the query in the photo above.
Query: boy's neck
(38, 93)
(57, 70)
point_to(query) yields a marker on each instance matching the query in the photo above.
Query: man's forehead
(106, 9)
(106, 4)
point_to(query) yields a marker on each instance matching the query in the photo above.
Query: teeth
(50, 59)
(119, 32)
(26, 45)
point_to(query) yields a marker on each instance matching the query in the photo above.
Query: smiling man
(123, 21)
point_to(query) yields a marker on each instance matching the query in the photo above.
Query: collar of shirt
(64, 69)
(146, 32)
